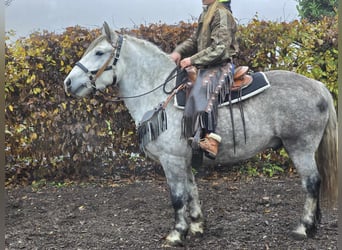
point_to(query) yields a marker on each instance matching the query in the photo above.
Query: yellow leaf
(10, 107)
(68, 68)
(267, 210)
(33, 136)
(87, 127)
(81, 208)
(88, 108)
(36, 91)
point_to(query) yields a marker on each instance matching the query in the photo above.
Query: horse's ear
(107, 31)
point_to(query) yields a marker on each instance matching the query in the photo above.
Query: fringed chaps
(201, 109)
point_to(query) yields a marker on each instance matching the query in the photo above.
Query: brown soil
(241, 213)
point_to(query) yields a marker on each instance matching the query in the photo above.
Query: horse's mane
(150, 50)
(147, 45)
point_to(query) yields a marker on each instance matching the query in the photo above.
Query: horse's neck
(143, 68)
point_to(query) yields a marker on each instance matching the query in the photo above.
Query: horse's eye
(99, 53)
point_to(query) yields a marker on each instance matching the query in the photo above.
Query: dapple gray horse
(295, 112)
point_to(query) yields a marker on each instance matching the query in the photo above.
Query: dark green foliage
(315, 10)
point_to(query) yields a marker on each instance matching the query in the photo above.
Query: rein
(171, 76)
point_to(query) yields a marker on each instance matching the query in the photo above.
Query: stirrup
(210, 156)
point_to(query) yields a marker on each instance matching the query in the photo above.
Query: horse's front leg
(195, 211)
(175, 169)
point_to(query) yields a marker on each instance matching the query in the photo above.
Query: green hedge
(51, 136)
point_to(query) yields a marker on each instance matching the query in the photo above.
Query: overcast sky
(26, 16)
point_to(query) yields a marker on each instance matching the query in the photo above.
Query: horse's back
(298, 97)
(297, 91)
(292, 82)
(294, 108)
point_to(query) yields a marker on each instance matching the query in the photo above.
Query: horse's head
(95, 70)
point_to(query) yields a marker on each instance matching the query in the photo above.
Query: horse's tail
(326, 158)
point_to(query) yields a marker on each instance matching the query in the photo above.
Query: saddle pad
(259, 84)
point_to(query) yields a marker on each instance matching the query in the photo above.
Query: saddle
(241, 78)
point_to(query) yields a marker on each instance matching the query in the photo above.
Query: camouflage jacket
(213, 45)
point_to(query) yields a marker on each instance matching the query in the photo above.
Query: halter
(94, 74)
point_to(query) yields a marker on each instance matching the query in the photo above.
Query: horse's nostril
(68, 82)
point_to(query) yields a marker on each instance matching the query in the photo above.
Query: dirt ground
(241, 213)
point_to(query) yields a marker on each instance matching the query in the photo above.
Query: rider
(212, 44)
(226, 3)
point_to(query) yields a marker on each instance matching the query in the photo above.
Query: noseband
(94, 74)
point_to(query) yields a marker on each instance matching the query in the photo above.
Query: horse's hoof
(172, 244)
(298, 236)
(196, 229)
(197, 235)
(174, 239)
(299, 233)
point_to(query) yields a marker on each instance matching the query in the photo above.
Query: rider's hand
(186, 62)
(176, 57)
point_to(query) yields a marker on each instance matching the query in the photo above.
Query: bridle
(95, 74)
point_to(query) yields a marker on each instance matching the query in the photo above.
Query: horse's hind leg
(306, 166)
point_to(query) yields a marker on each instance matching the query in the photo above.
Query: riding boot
(210, 144)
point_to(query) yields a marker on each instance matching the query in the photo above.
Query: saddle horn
(107, 31)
